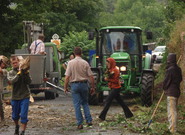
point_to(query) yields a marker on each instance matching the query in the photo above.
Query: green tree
(109, 5)
(77, 39)
(7, 32)
(175, 10)
(58, 16)
(61, 16)
(146, 14)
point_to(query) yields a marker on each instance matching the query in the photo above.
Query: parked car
(158, 53)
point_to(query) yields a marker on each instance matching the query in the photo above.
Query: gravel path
(56, 117)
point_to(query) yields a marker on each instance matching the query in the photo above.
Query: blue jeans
(80, 98)
(20, 109)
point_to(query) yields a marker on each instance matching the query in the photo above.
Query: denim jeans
(20, 109)
(115, 94)
(80, 98)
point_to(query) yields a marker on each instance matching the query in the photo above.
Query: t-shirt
(78, 69)
(37, 47)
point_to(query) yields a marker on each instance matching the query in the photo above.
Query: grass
(142, 115)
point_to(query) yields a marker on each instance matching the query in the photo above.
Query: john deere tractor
(124, 44)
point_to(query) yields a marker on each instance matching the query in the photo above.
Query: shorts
(20, 110)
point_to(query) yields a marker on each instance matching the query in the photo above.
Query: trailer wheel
(147, 92)
(49, 95)
(57, 95)
(98, 96)
(52, 95)
(56, 82)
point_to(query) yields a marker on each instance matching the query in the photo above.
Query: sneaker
(2, 118)
(80, 127)
(16, 130)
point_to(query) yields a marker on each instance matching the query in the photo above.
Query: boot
(16, 130)
(2, 114)
(22, 133)
(2, 118)
(129, 115)
(101, 118)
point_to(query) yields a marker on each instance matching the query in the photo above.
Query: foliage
(146, 14)
(175, 10)
(177, 40)
(174, 26)
(109, 5)
(8, 29)
(142, 115)
(58, 16)
(60, 24)
(74, 39)
(175, 43)
(77, 15)
(62, 16)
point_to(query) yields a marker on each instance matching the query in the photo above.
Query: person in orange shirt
(114, 84)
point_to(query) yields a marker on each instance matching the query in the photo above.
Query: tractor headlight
(117, 67)
(123, 68)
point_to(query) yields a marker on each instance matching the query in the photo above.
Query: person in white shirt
(72, 56)
(37, 46)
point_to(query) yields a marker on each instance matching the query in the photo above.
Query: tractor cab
(123, 44)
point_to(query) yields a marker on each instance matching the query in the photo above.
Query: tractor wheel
(98, 96)
(57, 84)
(147, 92)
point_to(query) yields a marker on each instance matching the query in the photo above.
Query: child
(20, 80)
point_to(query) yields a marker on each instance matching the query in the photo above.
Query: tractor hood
(120, 55)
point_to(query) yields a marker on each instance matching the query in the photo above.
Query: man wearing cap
(3, 72)
(37, 46)
(171, 86)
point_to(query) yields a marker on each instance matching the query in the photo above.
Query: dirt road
(56, 117)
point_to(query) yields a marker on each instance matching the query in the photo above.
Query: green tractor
(124, 44)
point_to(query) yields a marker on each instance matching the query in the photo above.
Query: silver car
(158, 53)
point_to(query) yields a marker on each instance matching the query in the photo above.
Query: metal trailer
(45, 71)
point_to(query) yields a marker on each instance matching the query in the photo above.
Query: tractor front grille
(120, 64)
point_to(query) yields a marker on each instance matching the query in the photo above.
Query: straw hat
(5, 60)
